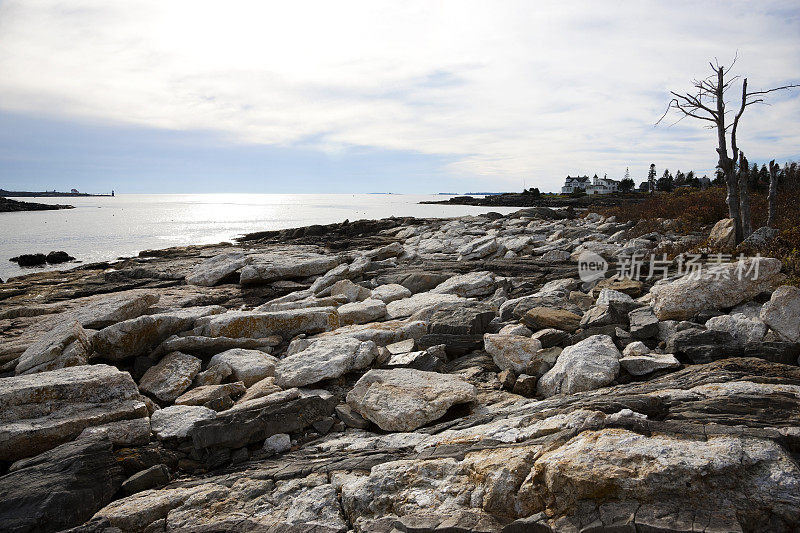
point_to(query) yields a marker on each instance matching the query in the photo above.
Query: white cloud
(508, 89)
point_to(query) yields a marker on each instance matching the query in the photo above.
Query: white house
(597, 185)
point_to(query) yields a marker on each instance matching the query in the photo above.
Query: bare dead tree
(744, 197)
(706, 102)
(772, 197)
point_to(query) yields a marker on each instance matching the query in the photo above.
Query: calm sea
(101, 229)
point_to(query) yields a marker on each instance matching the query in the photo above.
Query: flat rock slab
(381, 333)
(266, 268)
(215, 269)
(468, 285)
(247, 366)
(176, 421)
(404, 399)
(43, 410)
(67, 345)
(324, 359)
(409, 306)
(254, 325)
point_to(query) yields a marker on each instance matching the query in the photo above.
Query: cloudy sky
(237, 96)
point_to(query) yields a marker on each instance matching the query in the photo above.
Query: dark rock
(461, 320)
(350, 417)
(424, 360)
(323, 426)
(424, 281)
(456, 345)
(478, 358)
(243, 427)
(525, 385)
(27, 260)
(219, 403)
(55, 258)
(218, 458)
(604, 315)
(643, 323)
(507, 379)
(59, 488)
(610, 330)
(775, 351)
(153, 477)
(242, 455)
(703, 346)
(134, 460)
(95, 525)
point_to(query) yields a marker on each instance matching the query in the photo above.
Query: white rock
(723, 234)
(170, 377)
(467, 285)
(409, 306)
(685, 297)
(248, 366)
(640, 365)
(742, 328)
(134, 432)
(782, 312)
(369, 310)
(511, 351)
(590, 364)
(238, 324)
(277, 444)
(404, 399)
(324, 359)
(351, 291)
(64, 346)
(176, 421)
(381, 333)
(607, 296)
(390, 292)
(116, 308)
(636, 348)
(273, 267)
(515, 329)
(215, 269)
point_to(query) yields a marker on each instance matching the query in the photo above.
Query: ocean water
(103, 228)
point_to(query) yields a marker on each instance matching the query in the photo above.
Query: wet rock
(216, 269)
(255, 325)
(28, 260)
(511, 351)
(67, 345)
(324, 359)
(60, 488)
(703, 346)
(43, 410)
(247, 366)
(176, 421)
(590, 364)
(404, 399)
(685, 297)
(152, 478)
(170, 377)
(139, 336)
(782, 312)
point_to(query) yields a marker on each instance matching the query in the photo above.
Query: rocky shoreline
(402, 375)
(525, 199)
(9, 206)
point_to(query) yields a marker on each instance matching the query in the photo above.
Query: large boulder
(409, 306)
(139, 336)
(255, 325)
(369, 310)
(217, 268)
(404, 399)
(742, 328)
(247, 366)
(44, 410)
(324, 359)
(59, 488)
(511, 351)
(468, 285)
(718, 289)
(67, 345)
(782, 312)
(590, 364)
(390, 292)
(273, 267)
(115, 308)
(703, 345)
(723, 234)
(170, 377)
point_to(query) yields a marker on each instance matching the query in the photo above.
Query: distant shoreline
(13, 206)
(45, 194)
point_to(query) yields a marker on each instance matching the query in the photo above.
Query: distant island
(7, 205)
(47, 194)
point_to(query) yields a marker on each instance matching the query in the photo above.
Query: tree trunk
(725, 163)
(772, 198)
(744, 198)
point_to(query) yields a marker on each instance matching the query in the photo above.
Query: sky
(374, 96)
